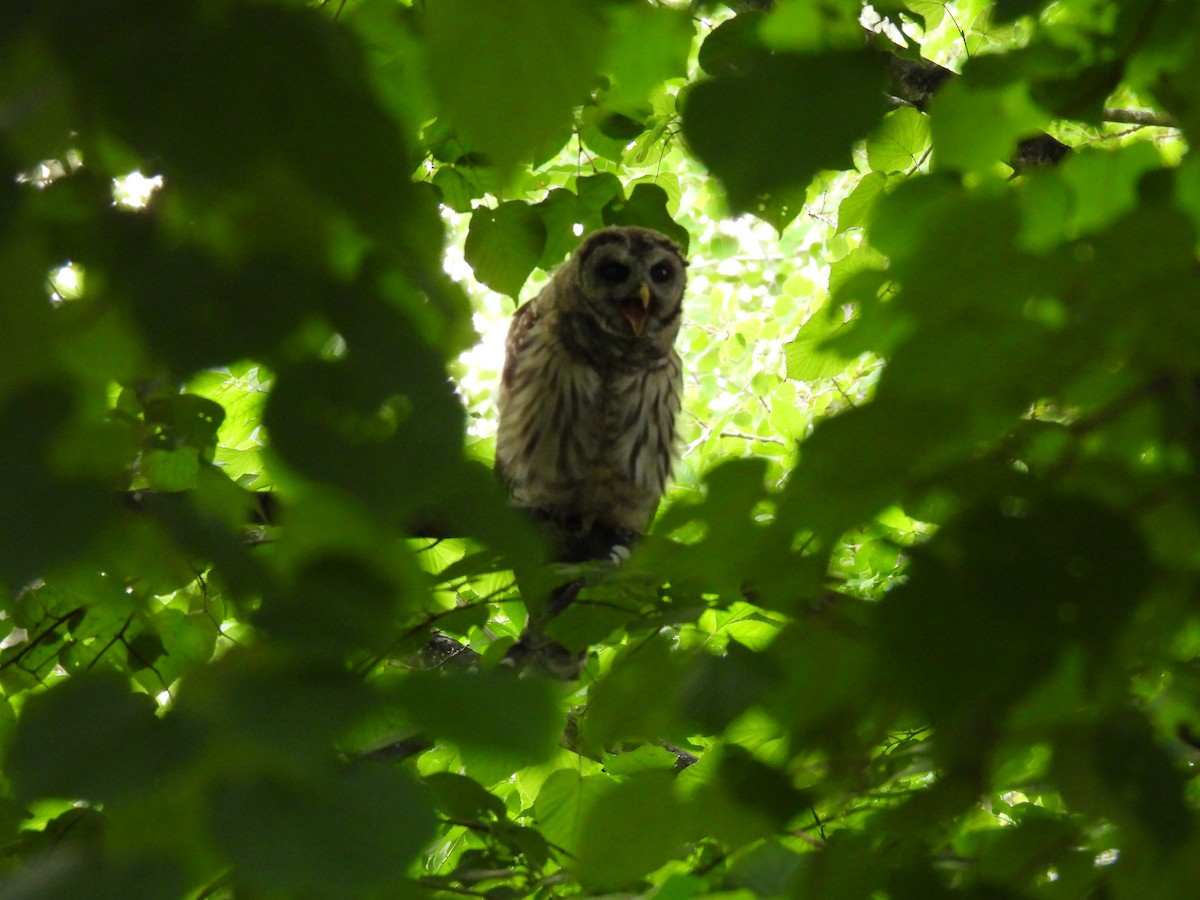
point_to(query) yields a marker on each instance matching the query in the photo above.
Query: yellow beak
(637, 323)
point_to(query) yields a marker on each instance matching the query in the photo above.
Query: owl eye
(613, 272)
(660, 273)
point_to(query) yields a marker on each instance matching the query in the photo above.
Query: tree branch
(1139, 117)
(914, 82)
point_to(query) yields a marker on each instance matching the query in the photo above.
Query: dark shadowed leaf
(335, 605)
(72, 870)
(341, 832)
(504, 245)
(630, 831)
(560, 212)
(91, 738)
(615, 712)
(974, 127)
(972, 631)
(1117, 769)
(647, 207)
(463, 797)
(1007, 10)
(762, 788)
(494, 711)
(555, 44)
(788, 132)
(262, 60)
(647, 45)
(295, 707)
(734, 46)
(721, 688)
(47, 516)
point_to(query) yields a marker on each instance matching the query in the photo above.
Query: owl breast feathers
(591, 385)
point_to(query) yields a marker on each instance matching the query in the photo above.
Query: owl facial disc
(636, 308)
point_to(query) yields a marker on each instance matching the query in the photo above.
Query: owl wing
(522, 330)
(523, 323)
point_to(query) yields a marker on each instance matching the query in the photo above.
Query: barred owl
(591, 388)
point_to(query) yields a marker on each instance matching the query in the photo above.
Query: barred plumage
(591, 385)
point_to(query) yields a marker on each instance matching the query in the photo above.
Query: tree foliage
(918, 618)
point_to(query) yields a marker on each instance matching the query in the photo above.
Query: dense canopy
(918, 617)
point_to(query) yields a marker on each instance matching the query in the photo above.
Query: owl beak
(636, 308)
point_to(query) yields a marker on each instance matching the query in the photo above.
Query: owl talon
(619, 555)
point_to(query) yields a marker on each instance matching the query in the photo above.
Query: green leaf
(646, 46)
(1104, 184)
(781, 207)
(1007, 10)
(302, 614)
(263, 59)
(615, 712)
(733, 47)
(505, 244)
(493, 712)
(595, 193)
(994, 600)
(456, 191)
(765, 789)
(563, 803)
(582, 625)
(197, 311)
(90, 738)
(286, 708)
(855, 210)
(826, 495)
(48, 516)
(554, 44)
(620, 127)
(187, 418)
(630, 831)
(721, 688)
(899, 142)
(560, 213)
(848, 866)
(975, 127)
(171, 470)
(787, 133)
(806, 354)
(1117, 769)
(346, 422)
(592, 132)
(463, 797)
(801, 25)
(527, 841)
(647, 207)
(344, 832)
(73, 869)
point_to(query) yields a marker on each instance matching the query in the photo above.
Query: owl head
(631, 282)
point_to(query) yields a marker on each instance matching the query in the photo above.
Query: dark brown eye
(660, 273)
(613, 272)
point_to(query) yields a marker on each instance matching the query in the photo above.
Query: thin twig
(729, 433)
